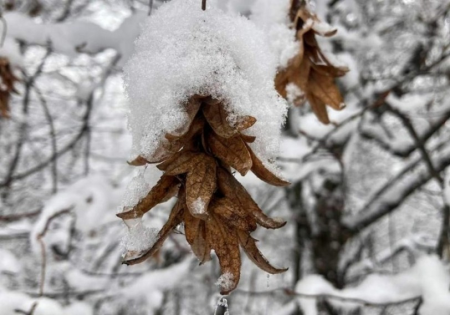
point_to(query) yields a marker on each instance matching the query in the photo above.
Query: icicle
(222, 307)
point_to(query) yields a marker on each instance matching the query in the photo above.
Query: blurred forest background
(370, 192)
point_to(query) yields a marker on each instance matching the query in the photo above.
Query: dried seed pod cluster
(310, 71)
(8, 79)
(217, 211)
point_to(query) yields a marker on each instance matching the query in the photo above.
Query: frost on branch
(305, 72)
(202, 102)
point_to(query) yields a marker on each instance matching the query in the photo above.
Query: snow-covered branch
(395, 191)
(428, 279)
(71, 38)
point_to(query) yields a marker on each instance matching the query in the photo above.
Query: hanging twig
(203, 5)
(150, 7)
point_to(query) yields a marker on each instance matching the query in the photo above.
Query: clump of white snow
(72, 37)
(152, 285)
(226, 281)
(199, 206)
(137, 189)
(9, 262)
(184, 51)
(13, 303)
(293, 92)
(139, 237)
(272, 16)
(428, 279)
(10, 49)
(90, 199)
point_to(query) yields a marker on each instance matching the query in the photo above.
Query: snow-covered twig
(394, 192)
(290, 292)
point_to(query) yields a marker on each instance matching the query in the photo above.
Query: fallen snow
(10, 49)
(71, 38)
(91, 199)
(79, 308)
(205, 52)
(11, 301)
(429, 278)
(9, 262)
(152, 286)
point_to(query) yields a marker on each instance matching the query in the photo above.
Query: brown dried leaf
(191, 227)
(210, 101)
(310, 70)
(248, 243)
(216, 116)
(232, 215)
(175, 218)
(232, 151)
(200, 186)
(196, 126)
(233, 190)
(196, 236)
(162, 152)
(247, 138)
(245, 122)
(323, 87)
(201, 246)
(181, 162)
(304, 14)
(301, 76)
(330, 70)
(225, 243)
(138, 161)
(8, 80)
(319, 108)
(263, 173)
(192, 107)
(164, 189)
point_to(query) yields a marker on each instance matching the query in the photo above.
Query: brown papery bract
(217, 212)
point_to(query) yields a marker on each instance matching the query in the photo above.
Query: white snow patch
(91, 199)
(9, 262)
(204, 52)
(272, 17)
(152, 285)
(199, 206)
(446, 192)
(428, 278)
(10, 50)
(139, 237)
(225, 281)
(11, 302)
(293, 92)
(137, 189)
(71, 38)
(79, 308)
(322, 27)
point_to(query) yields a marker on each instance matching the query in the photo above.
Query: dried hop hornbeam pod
(8, 79)
(200, 111)
(310, 75)
(216, 210)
